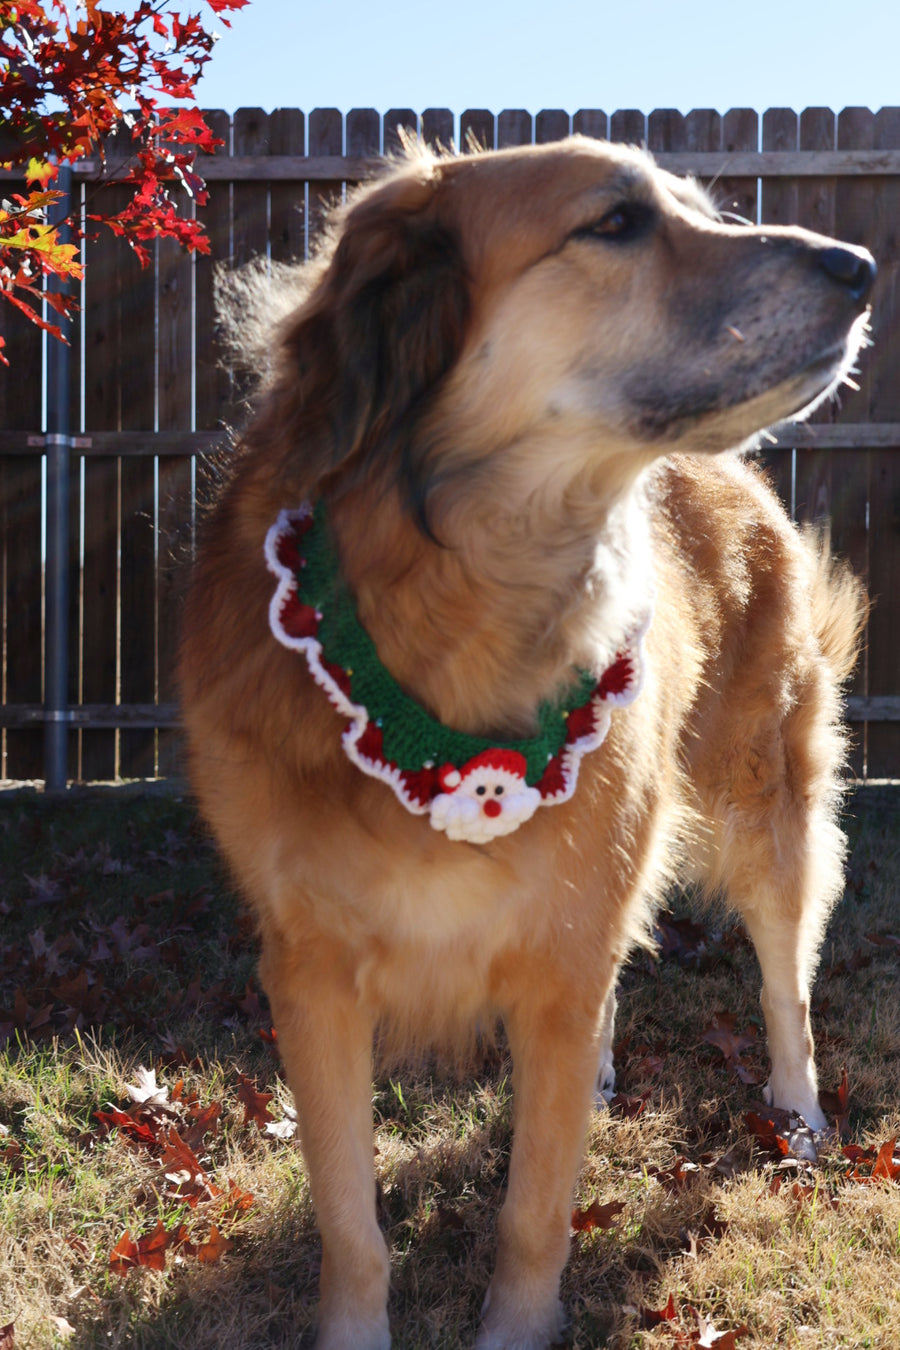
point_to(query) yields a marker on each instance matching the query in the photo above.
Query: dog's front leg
(325, 1039)
(554, 1047)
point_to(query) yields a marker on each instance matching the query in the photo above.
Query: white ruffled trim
(572, 755)
(312, 650)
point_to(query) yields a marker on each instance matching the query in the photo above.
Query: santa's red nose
(492, 807)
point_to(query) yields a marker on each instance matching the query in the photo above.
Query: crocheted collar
(472, 787)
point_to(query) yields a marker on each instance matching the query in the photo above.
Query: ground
(152, 1195)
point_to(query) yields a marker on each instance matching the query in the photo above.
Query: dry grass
(818, 1268)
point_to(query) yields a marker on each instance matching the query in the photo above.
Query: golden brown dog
(536, 651)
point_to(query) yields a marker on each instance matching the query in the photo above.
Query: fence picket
(666, 131)
(778, 206)
(884, 558)
(212, 379)
(551, 124)
(591, 122)
(104, 261)
(514, 128)
(438, 128)
(740, 131)
(363, 133)
(287, 207)
(476, 128)
(326, 137)
(137, 513)
(702, 129)
(399, 122)
(851, 473)
(20, 515)
(815, 211)
(174, 505)
(629, 126)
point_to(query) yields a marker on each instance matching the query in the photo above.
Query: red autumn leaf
(255, 1103)
(630, 1107)
(650, 1317)
(884, 1165)
(766, 1134)
(677, 1176)
(881, 1160)
(137, 1129)
(596, 1216)
(215, 1247)
(837, 1103)
(149, 1250)
(182, 1168)
(732, 1044)
(181, 1239)
(205, 1120)
(236, 1202)
(8, 1336)
(99, 82)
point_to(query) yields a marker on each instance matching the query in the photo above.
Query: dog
(493, 633)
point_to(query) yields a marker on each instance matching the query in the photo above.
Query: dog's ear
(385, 323)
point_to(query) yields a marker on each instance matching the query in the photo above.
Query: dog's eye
(621, 223)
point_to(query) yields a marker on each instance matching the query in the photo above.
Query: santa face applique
(484, 799)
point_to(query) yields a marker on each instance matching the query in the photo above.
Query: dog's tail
(840, 605)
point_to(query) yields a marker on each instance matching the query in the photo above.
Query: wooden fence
(148, 397)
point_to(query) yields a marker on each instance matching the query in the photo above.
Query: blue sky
(569, 54)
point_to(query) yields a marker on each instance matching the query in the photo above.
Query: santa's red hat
(497, 759)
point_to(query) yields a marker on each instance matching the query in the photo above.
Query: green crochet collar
(393, 737)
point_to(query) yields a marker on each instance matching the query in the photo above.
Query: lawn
(151, 1194)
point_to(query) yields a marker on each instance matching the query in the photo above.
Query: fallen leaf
(630, 1107)
(182, 1168)
(255, 1103)
(281, 1129)
(215, 1247)
(708, 1336)
(146, 1089)
(650, 1317)
(596, 1216)
(149, 1250)
(677, 1176)
(837, 1103)
(766, 1134)
(121, 1120)
(884, 1165)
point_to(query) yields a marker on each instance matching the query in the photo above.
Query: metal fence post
(58, 442)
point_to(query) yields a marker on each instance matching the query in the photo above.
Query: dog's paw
(606, 1086)
(803, 1105)
(347, 1334)
(519, 1332)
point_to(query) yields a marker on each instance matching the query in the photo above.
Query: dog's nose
(853, 268)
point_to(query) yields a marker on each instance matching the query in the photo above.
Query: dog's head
(476, 314)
